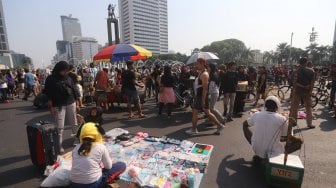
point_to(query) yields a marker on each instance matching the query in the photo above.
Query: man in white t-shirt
(269, 128)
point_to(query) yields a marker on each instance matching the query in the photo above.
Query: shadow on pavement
(11, 160)
(239, 173)
(327, 126)
(18, 175)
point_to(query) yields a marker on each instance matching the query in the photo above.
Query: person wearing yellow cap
(91, 163)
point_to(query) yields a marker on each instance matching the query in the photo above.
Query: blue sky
(33, 26)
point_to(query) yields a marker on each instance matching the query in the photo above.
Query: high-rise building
(70, 28)
(145, 23)
(84, 48)
(4, 47)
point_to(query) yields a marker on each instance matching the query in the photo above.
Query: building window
(4, 46)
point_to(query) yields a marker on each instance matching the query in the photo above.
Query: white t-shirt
(213, 88)
(87, 169)
(268, 129)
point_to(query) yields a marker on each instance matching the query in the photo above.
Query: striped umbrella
(122, 52)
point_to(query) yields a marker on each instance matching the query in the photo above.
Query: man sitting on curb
(269, 128)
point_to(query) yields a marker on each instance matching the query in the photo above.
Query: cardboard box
(289, 176)
(242, 86)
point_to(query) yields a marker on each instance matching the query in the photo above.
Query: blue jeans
(108, 175)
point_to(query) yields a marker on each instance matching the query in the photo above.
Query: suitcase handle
(43, 122)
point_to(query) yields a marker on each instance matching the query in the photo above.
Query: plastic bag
(60, 177)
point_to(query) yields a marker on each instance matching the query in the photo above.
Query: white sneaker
(191, 132)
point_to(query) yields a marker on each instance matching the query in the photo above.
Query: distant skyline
(34, 26)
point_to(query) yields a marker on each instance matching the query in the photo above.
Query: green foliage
(229, 50)
(173, 57)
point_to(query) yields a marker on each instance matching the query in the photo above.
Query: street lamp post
(290, 49)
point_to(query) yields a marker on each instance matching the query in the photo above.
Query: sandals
(142, 115)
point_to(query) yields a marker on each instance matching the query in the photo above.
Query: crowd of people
(21, 82)
(68, 89)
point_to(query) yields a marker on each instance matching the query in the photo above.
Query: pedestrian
(91, 162)
(303, 85)
(221, 74)
(3, 89)
(20, 82)
(10, 84)
(269, 127)
(201, 99)
(156, 79)
(166, 95)
(148, 83)
(80, 91)
(63, 97)
(230, 81)
(128, 88)
(101, 85)
(241, 94)
(261, 86)
(214, 91)
(30, 81)
(333, 88)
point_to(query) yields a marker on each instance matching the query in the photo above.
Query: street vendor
(269, 127)
(91, 163)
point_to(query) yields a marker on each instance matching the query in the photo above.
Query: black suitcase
(41, 101)
(43, 143)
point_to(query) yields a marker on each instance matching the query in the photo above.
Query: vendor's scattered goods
(151, 161)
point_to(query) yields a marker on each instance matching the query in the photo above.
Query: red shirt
(102, 80)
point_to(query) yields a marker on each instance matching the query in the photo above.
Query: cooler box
(242, 86)
(289, 176)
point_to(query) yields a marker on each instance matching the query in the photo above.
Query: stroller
(183, 95)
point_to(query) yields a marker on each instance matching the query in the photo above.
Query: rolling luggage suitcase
(43, 143)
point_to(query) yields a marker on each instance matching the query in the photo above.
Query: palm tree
(323, 53)
(247, 55)
(283, 52)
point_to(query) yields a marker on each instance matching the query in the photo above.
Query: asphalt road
(230, 164)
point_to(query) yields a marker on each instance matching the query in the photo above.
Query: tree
(227, 50)
(27, 62)
(283, 52)
(297, 53)
(333, 53)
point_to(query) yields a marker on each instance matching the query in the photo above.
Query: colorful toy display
(160, 161)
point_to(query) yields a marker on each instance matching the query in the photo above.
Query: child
(95, 116)
(80, 90)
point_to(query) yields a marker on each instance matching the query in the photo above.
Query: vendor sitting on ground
(269, 127)
(94, 116)
(91, 163)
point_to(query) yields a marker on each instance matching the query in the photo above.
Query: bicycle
(273, 90)
(284, 94)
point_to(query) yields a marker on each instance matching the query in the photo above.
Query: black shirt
(229, 81)
(167, 81)
(305, 76)
(20, 77)
(128, 78)
(61, 90)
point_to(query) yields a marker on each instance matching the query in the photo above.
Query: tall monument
(112, 19)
